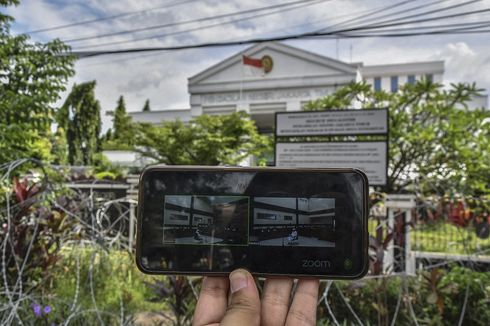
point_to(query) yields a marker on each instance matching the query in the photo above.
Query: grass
(94, 279)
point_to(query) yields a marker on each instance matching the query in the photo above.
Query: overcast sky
(162, 77)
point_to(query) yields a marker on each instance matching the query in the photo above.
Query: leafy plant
(80, 118)
(206, 140)
(177, 293)
(121, 136)
(436, 144)
(32, 234)
(33, 75)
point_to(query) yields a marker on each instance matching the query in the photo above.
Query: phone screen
(270, 221)
(225, 220)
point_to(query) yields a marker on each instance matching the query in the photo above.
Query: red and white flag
(252, 62)
(257, 67)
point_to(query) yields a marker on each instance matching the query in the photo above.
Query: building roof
(292, 67)
(157, 116)
(412, 68)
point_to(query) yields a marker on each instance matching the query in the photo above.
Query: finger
(212, 302)
(244, 307)
(303, 307)
(275, 301)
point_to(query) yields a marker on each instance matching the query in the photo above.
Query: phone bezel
(176, 168)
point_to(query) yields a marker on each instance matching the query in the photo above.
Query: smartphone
(196, 220)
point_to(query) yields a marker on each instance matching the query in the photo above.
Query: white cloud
(465, 64)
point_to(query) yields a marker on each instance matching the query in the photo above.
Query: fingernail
(238, 281)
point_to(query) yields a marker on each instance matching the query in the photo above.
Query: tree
(146, 108)
(122, 123)
(437, 145)
(121, 137)
(80, 117)
(206, 140)
(59, 147)
(32, 77)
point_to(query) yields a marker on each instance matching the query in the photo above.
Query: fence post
(389, 259)
(132, 221)
(402, 204)
(409, 255)
(132, 194)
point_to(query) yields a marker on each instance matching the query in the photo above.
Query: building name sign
(336, 122)
(251, 96)
(369, 157)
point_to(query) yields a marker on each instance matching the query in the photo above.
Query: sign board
(370, 157)
(331, 123)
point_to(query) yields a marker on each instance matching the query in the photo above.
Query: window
(411, 79)
(266, 216)
(177, 217)
(394, 84)
(377, 84)
(429, 77)
(288, 218)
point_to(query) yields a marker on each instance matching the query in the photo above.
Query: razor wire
(103, 232)
(100, 236)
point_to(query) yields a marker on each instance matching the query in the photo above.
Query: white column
(293, 106)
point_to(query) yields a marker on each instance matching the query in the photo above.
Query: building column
(293, 106)
(243, 107)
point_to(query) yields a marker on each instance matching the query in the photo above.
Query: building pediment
(289, 63)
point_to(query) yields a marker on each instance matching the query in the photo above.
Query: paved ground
(302, 242)
(191, 240)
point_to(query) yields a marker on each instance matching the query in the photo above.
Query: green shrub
(437, 298)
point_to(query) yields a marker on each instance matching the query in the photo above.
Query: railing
(444, 236)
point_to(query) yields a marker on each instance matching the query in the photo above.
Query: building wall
(280, 220)
(297, 77)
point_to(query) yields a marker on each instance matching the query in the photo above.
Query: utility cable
(368, 14)
(219, 24)
(199, 28)
(428, 28)
(366, 18)
(261, 40)
(186, 22)
(365, 35)
(400, 19)
(96, 20)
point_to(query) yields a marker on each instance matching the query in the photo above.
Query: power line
(82, 54)
(368, 14)
(423, 20)
(438, 10)
(462, 26)
(370, 26)
(86, 54)
(369, 17)
(160, 26)
(463, 4)
(465, 26)
(96, 20)
(206, 26)
(393, 35)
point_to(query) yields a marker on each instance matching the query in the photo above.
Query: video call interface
(243, 220)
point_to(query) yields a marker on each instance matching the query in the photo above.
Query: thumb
(244, 307)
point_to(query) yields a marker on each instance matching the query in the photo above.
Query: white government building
(297, 76)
